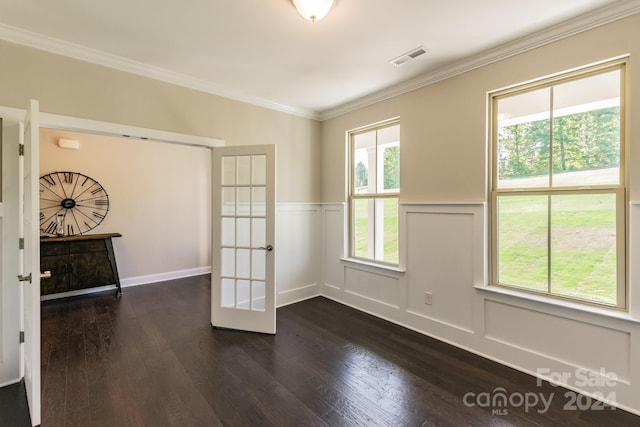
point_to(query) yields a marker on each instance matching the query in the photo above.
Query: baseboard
(79, 292)
(163, 277)
(301, 293)
(304, 298)
(132, 281)
(12, 382)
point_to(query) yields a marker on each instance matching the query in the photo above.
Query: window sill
(612, 313)
(374, 265)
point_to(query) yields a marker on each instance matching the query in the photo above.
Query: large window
(557, 187)
(374, 190)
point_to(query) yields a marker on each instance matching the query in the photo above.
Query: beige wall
(443, 126)
(443, 227)
(78, 89)
(159, 194)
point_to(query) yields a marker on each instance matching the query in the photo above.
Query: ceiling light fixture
(313, 10)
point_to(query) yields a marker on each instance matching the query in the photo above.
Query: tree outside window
(557, 192)
(374, 193)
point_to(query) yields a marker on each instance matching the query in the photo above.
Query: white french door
(243, 293)
(29, 263)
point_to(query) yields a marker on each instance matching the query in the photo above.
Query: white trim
(547, 301)
(339, 205)
(304, 298)
(87, 291)
(12, 382)
(334, 287)
(441, 322)
(10, 113)
(401, 203)
(373, 300)
(163, 277)
(93, 56)
(298, 206)
(76, 124)
(457, 204)
(300, 300)
(571, 27)
(373, 265)
(55, 121)
(579, 24)
(132, 281)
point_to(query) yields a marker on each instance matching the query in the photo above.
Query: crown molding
(594, 19)
(577, 25)
(93, 56)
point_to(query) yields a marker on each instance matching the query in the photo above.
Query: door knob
(27, 277)
(267, 248)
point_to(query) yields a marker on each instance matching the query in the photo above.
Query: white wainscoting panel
(446, 253)
(440, 262)
(634, 260)
(572, 342)
(333, 226)
(298, 250)
(375, 287)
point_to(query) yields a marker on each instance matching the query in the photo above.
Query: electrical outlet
(428, 298)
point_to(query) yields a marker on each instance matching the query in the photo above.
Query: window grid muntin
(246, 213)
(622, 225)
(367, 196)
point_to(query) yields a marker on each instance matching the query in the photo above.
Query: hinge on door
(21, 337)
(21, 150)
(21, 243)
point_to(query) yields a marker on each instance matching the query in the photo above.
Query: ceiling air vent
(413, 54)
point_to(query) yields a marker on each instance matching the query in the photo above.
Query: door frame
(76, 124)
(59, 122)
(14, 360)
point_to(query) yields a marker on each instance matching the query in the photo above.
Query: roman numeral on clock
(49, 180)
(51, 229)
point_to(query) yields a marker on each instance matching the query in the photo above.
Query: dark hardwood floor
(151, 358)
(14, 410)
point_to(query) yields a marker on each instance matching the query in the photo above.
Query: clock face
(71, 203)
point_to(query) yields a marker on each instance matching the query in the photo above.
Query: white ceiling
(263, 52)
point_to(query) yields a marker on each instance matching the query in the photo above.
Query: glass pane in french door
(243, 232)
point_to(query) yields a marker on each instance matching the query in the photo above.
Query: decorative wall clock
(71, 203)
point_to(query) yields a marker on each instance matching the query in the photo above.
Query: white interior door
(243, 294)
(29, 229)
(10, 290)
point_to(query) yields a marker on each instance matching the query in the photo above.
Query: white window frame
(377, 242)
(619, 190)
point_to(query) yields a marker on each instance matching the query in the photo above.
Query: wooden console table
(78, 262)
